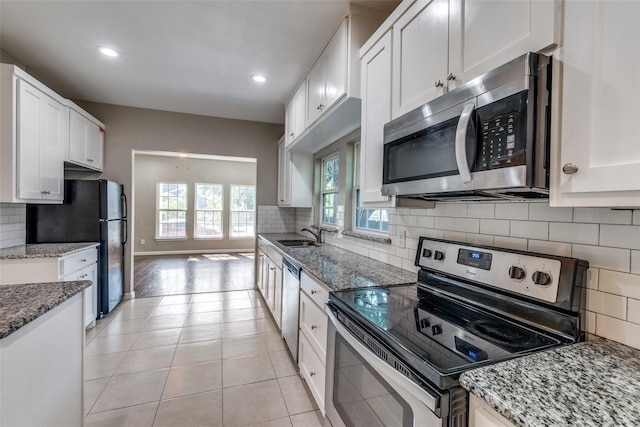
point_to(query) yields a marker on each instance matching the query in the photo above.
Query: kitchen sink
(297, 243)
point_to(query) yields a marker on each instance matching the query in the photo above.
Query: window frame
(159, 210)
(196, 210)
(355, 199)
(335, 191)
(231, 212)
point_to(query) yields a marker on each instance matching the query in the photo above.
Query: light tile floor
(208, 359)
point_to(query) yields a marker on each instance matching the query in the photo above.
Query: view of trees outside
(242, 211)
(209, 204)
(172, 210)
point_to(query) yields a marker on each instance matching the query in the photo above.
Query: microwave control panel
(502, 128)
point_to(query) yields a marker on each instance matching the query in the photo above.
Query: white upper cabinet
(439, 45)
(295, 178)
(376, 111)
(295, 117)
(598, 159)
(34, 131)
(420, 40)
(332, 86)
(86, 139)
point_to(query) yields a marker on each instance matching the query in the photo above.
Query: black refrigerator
(93, 211)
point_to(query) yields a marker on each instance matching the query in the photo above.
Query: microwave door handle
(461, 143)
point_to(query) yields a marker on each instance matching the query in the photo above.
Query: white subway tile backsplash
(455, 235)
(438, 210)
(512, 211)
(469, 225)
(530, 229)
(500, 227)
(636, 217)
(593, 275)
(614, 282)
(601, 216)
(481, 210)
(510, 243)
(426, 221)
(600, 257)
(607, 304)
(618, 330)
(480, 239)
(444, 223)
(620, 236)
(635, 262)
(590, 322)
(546, 247)
(633, 310)
(586, 234)
(12, 225)
(456, 210)
(543, 212)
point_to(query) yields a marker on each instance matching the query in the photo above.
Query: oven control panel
(524, 274)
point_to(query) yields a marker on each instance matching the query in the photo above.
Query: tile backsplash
(274, 219)
(12, 225)
(608, 239)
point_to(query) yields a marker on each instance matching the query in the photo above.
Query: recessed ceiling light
(108, 52)
(259, 78)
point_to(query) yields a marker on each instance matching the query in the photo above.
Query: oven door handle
(390, 375)
(461, 143)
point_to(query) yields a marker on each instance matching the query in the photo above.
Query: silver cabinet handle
(438, 83)
(311, 374)
(292, 135)
(313, 292)
(313, 327)
(450, 77)
(320, 107)
(569, 169)
(461, 143)
(83, 260)
(90, 160)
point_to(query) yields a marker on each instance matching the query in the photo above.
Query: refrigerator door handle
(124, 205)
(125, 229)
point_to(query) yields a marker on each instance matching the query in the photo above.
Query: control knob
(426, 253)
(517, 273)
(436, 329)
(541, 278)
(438, 256)
(424, 323)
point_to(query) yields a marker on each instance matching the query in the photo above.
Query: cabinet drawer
(275, 256)
(262, 244)
(317, 292)
(312, 370)
(313, 323)
(78, 261)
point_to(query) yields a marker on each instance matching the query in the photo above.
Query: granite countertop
(21, 304)
(594, 383)
(45, 250)
(340, 269)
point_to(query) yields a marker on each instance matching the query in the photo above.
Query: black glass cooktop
(448, 335)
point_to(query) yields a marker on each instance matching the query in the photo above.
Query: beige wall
(151, 169)
(129, 129)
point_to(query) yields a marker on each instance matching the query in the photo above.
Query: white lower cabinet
(312, 346)
(82, 265)
(41, 364)
(482, 415)
(269, 279)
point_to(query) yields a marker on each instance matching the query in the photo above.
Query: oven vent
(459, 403)
(379, 351)
(402, 369)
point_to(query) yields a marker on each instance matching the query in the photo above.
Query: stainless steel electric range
(394, 354)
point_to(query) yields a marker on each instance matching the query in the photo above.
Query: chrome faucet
(317, 235)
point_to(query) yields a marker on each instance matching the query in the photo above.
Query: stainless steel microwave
(487, 139)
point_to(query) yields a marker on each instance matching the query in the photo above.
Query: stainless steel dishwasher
(290, 306)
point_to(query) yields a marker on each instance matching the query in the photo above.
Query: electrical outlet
(142, 241)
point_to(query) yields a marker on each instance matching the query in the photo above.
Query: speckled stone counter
(338, 268)
(21, 304)
(594, 383)
(44, 250)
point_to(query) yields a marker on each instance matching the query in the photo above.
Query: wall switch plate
(142, 241)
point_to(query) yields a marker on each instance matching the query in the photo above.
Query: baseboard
(129, 295)
(194, 252)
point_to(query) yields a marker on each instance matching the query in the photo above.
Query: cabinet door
(78, 136)
(53, 145)
(284, 175)
(30, 128)
(277, 297)
(315, 91)
(487, 34)
(299, 111)
(481, 415)
(376, 111)
(600, 127)
(336, 67)
(420, 57)
(289, 118)
(95, 146)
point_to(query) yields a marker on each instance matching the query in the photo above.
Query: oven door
(363, 390)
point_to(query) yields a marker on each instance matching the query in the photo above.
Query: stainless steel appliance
(290, 306)
(394, 354)
(93, 211)
(486, 139)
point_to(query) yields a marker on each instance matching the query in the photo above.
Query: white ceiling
(185, 56)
